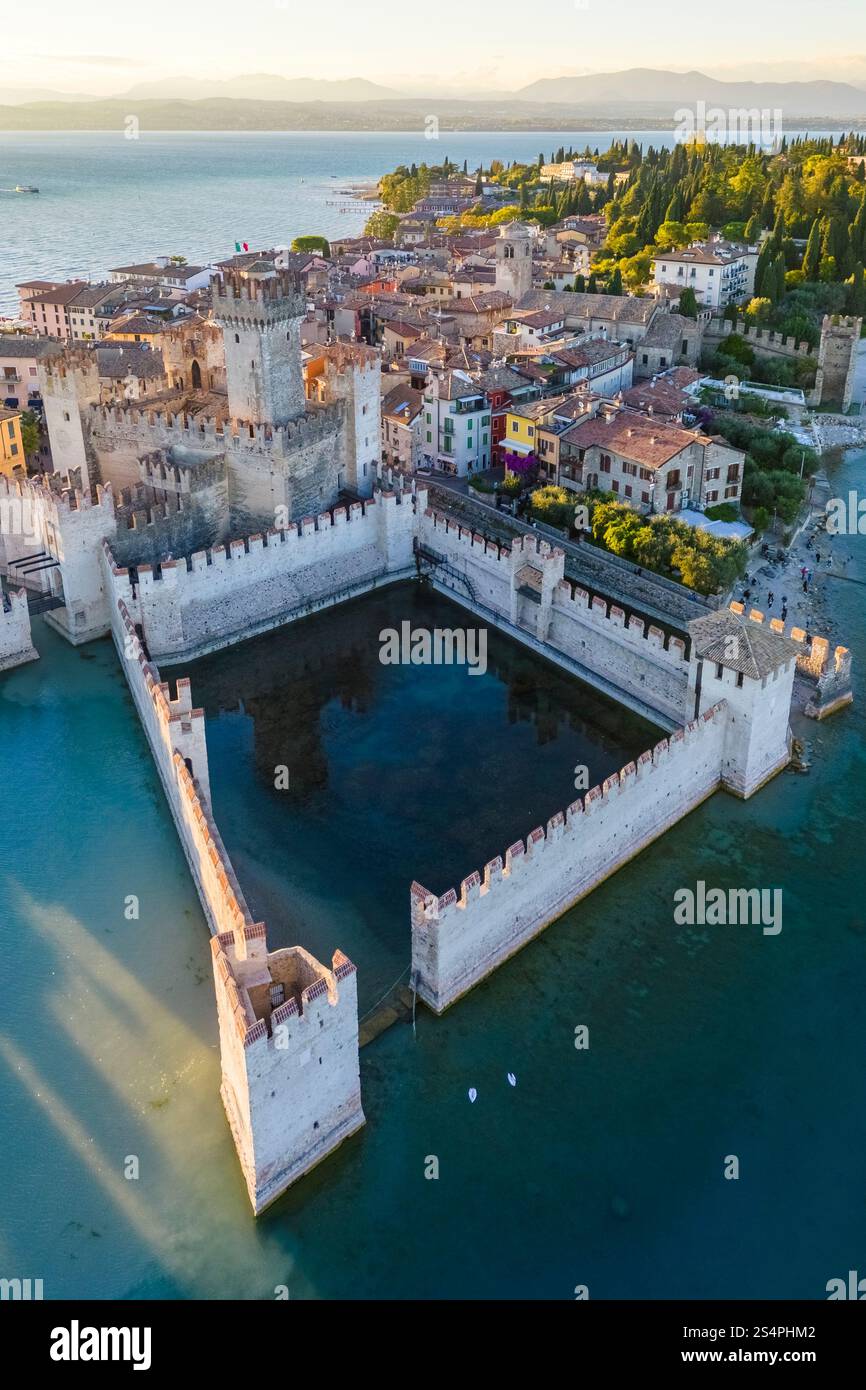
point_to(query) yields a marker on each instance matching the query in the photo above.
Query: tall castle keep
(259, 310)
(223, 439)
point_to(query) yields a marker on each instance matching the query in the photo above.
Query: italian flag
(241, 246)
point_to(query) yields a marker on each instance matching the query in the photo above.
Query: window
(429, 437)
(719, 670)
(614, 487)
(731, 491)
(739, 680)
(238, 337)
(645, 497)
(644, 357)
(66, 415)
(485, 420)
(628, 489)
(605, 463)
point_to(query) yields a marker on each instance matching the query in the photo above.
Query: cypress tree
(812, 254)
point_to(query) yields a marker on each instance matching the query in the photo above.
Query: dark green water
(601, 1167)
(395, 772)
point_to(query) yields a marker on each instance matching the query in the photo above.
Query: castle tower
(289, 1048)
(352, 373)
(514, 260)
(69, 383)
(751, 667)
(837, 358)
(259, 310)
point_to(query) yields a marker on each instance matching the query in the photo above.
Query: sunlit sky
(107, 46)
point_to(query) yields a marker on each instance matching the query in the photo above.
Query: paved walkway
(813, 610)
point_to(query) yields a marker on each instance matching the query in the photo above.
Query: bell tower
(514, 260)
(259, 310)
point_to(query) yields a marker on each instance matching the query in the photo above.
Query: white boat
(25, 188)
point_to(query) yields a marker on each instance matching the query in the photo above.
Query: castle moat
(394, 772)
(600, 1167)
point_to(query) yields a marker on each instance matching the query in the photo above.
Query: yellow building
(519, 435)
(11, 443)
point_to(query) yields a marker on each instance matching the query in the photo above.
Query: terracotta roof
(403, 402)
(650, 443)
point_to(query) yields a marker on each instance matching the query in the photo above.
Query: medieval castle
(234, 493)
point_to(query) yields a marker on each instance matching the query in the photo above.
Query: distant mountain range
(649, 85)
(640, 98)
(261, 86)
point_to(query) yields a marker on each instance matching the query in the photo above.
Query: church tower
(514, 260)
(259, 310)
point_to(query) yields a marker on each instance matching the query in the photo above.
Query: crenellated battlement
(457, 940)
(227, 593)
(527, 853)
(830, 670)
(815, 659)
(244, 296)
(16, 642)
(599, 610)
(68, 369)
(58, 499)
(158, 429)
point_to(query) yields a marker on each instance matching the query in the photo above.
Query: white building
(455, 432)
(719, 273)
(573, 169)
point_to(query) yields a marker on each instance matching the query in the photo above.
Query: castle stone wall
(16, 642)
(288, 1025)
(622, 657)
(457, 941)
(233, 592)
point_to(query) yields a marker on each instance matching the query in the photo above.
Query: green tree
(688, 303)
(312, 243)
(31, 432)
(381, 225)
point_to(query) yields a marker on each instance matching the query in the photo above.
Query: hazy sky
(106, 46)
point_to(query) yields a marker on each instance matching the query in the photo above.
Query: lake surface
(601, 1167)
(107, 201)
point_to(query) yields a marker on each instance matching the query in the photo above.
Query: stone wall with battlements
(288, 1025)
(829, 671)
(294, 467)
(458, 940)
(230, 593)
(623, 657)
(16, 641)
(66, 526)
